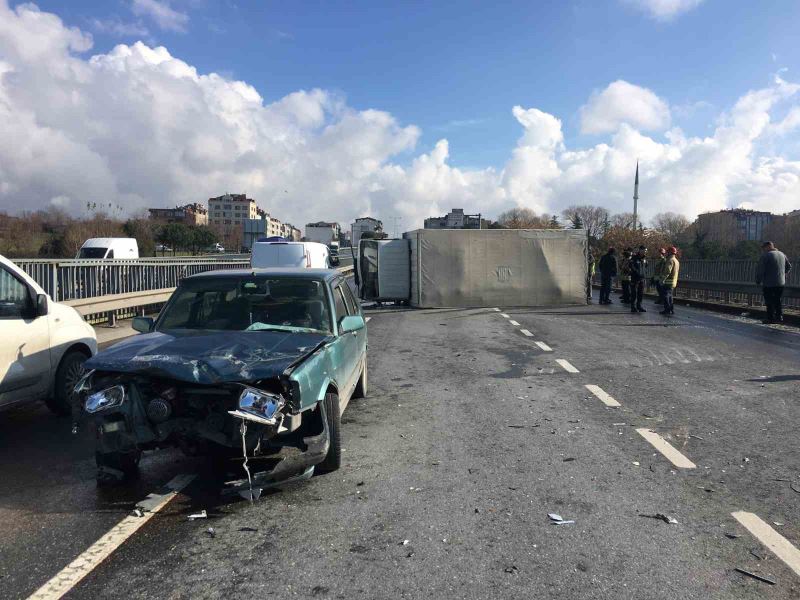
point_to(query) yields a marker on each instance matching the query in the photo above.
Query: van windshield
(248, 304)
(92, 253)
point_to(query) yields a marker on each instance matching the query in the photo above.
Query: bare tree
(624, 220)
(671, 224)
(595, 219)
(523, 218)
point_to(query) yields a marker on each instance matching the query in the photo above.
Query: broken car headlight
(260, 407)
(108, 398)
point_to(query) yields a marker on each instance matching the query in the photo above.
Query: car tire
(69, 372)
(114, 467)
(362, 385)
(333, 460)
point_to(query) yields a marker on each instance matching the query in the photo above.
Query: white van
(310, 255)
(100, 248)
(44, 343)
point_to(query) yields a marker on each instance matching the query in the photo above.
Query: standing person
(638, 265)
(771, 274)
(669, 279)
(608, 270)
(625, 275)
(658, 274)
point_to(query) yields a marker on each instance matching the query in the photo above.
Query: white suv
(43, 344)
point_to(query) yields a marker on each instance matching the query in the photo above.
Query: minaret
(636, 196)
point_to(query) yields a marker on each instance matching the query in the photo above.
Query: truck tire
(362, 385)
(333, 460)
(69, 372)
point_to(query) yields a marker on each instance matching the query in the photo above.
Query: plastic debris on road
(559, 520)
(201, 515)
(211, 532)
(755, 576)
(662, 517)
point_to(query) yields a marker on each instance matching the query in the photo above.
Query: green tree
(554, 224)
(174, 235)
(200, 237)
(746, 250)
(142, 230)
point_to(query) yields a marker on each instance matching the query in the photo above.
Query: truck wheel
(69, 372)
(361, 386)
(114, 467)
(333, 460)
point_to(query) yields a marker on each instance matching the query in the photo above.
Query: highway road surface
(668, 448)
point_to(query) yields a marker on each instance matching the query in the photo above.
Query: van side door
(25, 370)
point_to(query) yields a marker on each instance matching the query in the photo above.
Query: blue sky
(455, 69)
(333, 110)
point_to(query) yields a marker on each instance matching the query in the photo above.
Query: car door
(25, 346)
(345, 348)
(361, 335)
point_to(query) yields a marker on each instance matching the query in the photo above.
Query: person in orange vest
(669, 279)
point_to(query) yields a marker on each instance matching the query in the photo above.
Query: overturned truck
(476, 268)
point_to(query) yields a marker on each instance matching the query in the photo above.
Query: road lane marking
(526, 332)
(567, 366)
(504, 315)
(79, 568)
(544, 346)
(514, 323)
(667, 449)
(779, 545)
(367, 319)
(604, 397)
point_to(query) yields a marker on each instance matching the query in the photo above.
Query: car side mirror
(351, 323)
(142, 324)
(334, 261)
(41, 305)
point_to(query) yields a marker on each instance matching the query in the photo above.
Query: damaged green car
(243, 364)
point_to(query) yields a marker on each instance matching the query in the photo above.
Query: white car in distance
(44, 344)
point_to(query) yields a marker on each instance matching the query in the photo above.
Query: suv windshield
(248, 304)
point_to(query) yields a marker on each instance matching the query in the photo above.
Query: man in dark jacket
(771, 274)
(625, 275)
(608, 270)
(638, 266)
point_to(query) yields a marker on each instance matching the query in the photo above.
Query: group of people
(632, 274)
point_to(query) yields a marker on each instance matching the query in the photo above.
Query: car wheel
(361, 386)
(69, 372)
(333, 460)
(113, 467)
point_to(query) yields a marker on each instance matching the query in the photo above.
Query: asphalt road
(471, 435)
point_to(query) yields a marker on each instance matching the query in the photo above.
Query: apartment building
(231, 209)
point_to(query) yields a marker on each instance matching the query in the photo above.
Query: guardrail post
(112, 318)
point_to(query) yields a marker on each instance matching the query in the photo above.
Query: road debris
(733, 536)
(201, 515)
(248, 528)
(794, 489)
(754, 576)
(568, 459)
(511, 569)
(636, 463)
(559, 520)
(138, 512)
(697, 437)
(757, 555)
(405, 542)
(211, 532)
(662, 517)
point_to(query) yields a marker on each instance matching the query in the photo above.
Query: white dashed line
(526, 332)
(544, 346)
(514, 323)
(504, 315)
(79, 568)
(567, 366)
(778, 545)
(604, 397)
(667, 449)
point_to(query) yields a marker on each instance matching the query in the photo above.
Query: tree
(626, 237)
(592, 218)
(200, 237)
(746, 250)
(174, 235)
(142, 230)
(577, 222)
(554, 224)
(671, 224)
(622, 220)
(522, 218)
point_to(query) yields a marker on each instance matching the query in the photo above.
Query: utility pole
(636, 197)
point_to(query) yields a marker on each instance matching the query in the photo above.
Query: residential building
(363, 225)
(734, 225)
(189, 214)
(323, 232)
(274, 227)
(231, 209)
(455, 219)
(290, 232)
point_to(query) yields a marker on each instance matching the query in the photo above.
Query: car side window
(352, 303)
(338, 300)
(14, 300)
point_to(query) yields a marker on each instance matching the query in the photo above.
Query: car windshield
(92, 253)
(248, 304)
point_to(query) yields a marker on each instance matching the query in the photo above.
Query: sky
(335, 110)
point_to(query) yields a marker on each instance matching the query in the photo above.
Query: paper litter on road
(201, 515)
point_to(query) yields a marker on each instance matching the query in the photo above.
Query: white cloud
(664, 10)
(162, 13)
(623, 102)
(141, 128)
(115, 26)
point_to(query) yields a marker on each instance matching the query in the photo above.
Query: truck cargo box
(497, 267)
(384, 269)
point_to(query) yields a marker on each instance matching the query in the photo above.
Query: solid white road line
(667, 449)
(567, 366)
(79, 568)
(526, 332)
(544, 346)
(779, 545)
(504, 315)
(604, 397)
(514, 323)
